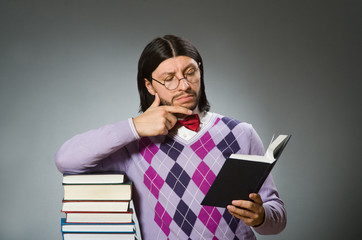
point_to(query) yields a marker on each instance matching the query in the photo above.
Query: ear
(149, 87)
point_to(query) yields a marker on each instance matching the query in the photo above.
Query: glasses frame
(178, 84)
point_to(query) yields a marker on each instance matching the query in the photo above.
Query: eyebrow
(172, 73)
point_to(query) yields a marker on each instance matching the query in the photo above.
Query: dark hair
(157, 51)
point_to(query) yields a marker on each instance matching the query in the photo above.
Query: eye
(190, 72)
(169, 78)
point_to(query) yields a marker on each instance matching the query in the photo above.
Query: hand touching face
(158, 120)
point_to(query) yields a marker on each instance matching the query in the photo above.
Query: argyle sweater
(171, 176)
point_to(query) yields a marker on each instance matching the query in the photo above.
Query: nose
(183, 84)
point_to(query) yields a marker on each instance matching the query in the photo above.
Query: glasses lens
(172, 83)
(192, 75)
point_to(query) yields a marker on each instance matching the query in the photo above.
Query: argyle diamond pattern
(147, 149)
(163, 219)
(185, 217)
(153, 181)
(228, 145)
(232, 221)
(178, 179)
(210, 216)
(203, 177)
(178, 182)
(203, 146)
(231, 123)
(172, 148)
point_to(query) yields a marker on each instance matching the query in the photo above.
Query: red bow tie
(191, 122)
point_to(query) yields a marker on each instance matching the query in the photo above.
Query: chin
(188, 105)
(192, 107)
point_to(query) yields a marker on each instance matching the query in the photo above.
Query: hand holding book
(244, 174)
(250, 212)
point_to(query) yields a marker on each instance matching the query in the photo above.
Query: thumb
(256, 198)
(156, 102)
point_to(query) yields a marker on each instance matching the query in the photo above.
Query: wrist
(134, 128)
(262, 219)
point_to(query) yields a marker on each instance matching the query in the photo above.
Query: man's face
(186, 94)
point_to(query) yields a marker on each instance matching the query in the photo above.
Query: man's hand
(251, 213)
(158, 120)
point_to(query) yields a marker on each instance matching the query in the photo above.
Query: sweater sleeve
(275, 213)
(88, 150)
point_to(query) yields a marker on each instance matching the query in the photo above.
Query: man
(172, 163)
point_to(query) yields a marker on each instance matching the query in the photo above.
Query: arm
(275, 212)
(85, 151)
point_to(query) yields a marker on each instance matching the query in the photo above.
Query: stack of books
(97, 206)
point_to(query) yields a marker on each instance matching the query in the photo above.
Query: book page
(274, 147)
(254, 158)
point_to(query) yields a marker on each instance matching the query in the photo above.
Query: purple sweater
(171, 176)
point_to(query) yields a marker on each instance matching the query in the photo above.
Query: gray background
(284, 66)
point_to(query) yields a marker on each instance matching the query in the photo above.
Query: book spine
(95, 232)
(127, 212)
(122, 205)
(65, 201)
(130, 214)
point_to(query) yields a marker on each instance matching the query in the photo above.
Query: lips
(185, 98)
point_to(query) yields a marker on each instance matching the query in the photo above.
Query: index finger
(245, 204)
(177, 109)
(156, 102)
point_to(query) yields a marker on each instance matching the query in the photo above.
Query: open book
(243, 174)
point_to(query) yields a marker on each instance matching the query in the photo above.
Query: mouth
(185, 98)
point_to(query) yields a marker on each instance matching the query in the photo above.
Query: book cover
(98, 191)
(94, 178)
(95, 206)
(97, 227)
(99, 217)
(99, 236)
(241, 175)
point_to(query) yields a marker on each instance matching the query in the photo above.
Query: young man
(172, 163)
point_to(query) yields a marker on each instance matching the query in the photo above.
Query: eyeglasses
(172, 82)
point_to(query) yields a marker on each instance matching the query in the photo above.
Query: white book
(98, 191)
(94, 178)
(97, 227)
(95, 206)
(98, 236)
(99, 217)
